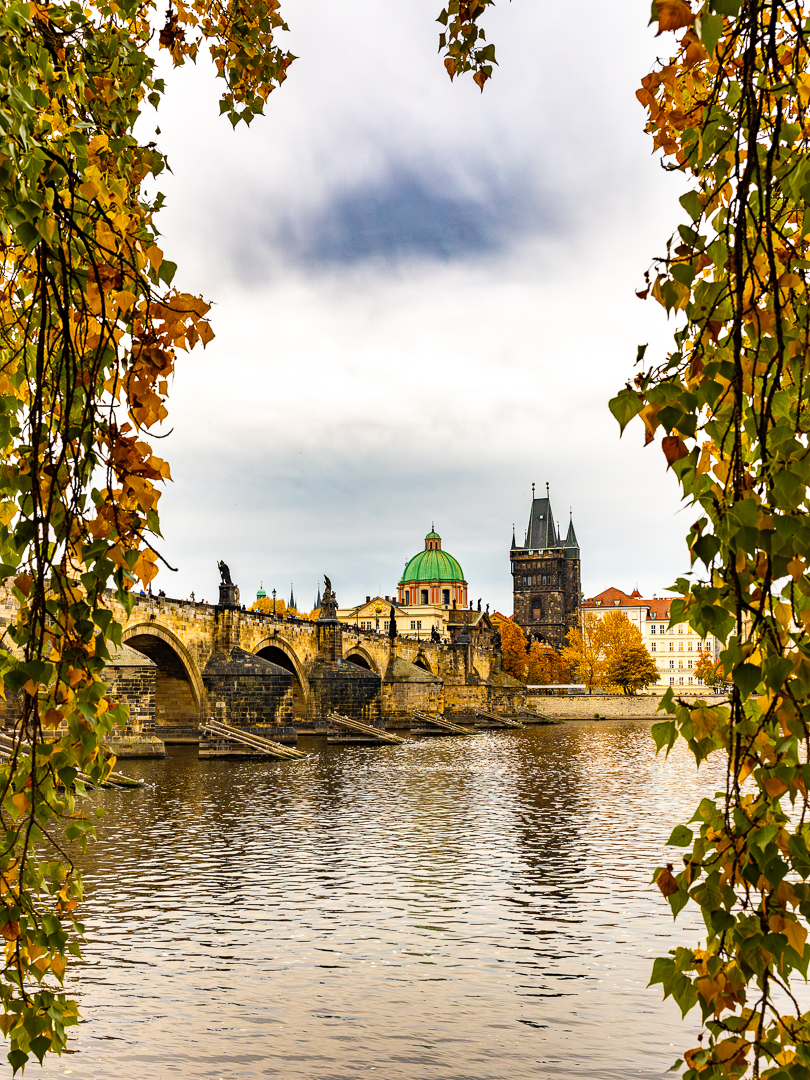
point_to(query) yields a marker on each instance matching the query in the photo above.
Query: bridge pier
(406, 687)
(337, 685)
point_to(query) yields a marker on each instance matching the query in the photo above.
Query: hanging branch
(729, 111)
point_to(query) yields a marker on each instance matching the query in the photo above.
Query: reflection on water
(451, 909)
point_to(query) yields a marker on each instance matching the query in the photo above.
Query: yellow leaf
(20, 800)
(673, 14)
(125, 300)
(649, 414)
(155, 256)
(775, 787)
(89, 190)
(796, 935)
(10, 930)
(796, 567)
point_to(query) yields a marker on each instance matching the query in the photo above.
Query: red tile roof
(613, 597)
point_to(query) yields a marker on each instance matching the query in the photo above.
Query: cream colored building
(413, 620)
(676, 651)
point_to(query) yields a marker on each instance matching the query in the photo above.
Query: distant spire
(292, 598)
(571, 539)
(514, 545)
(532, 492)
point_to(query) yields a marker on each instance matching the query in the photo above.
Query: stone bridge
(283, 676)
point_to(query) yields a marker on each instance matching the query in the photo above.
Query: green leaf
(709, 28)
(627, 404)
(682, 836)
(17, 1060)
(746, 677)
(692, 205)
(664, 734)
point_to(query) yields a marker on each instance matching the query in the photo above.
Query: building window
(689, 664)
(680, 646)
(672, 663)
(690, 680)
(652, 629)
(652, 647)
(418, 624)
(385, 625)
(680, 663)
(425, 599)
(413, 624)
(671, 682)
(689, 646)
(680, 629)
(680, 681)
(671, 646)
(407, 596)
(446, 596)
(661, 629)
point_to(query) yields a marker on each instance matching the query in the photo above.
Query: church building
(433, 577)
(546, 577)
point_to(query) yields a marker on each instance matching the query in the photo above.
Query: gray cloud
(410, 214)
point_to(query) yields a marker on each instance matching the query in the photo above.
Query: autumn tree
(267, 605)
(730, 112)
(625, 662)
(582, 654)
(513, 648)
(544, 665)
(708, 670)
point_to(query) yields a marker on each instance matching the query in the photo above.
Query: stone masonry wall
(401, 698)
(135, 687)
(601, 706)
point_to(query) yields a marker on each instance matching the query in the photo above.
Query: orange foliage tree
(545, 665)
(513, 648)
(583, 653)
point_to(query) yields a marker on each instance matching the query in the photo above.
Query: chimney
(368, 599)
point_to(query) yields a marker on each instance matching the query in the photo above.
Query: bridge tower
(546, 576)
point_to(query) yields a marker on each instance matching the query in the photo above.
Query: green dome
(432, 566)
(260, 593)
(432, 535)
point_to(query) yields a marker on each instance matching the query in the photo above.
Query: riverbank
(604, 706)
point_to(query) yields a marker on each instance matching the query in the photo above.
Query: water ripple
(445, 910)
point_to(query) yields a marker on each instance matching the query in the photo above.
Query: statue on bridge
(392, 623)
(328, 601)
(228, 592)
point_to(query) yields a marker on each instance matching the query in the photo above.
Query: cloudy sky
(424, 298)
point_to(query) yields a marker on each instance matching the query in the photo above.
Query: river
(451, 909)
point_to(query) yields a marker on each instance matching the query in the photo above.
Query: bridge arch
(279, 651)
(422, 662)
(178, 684)
(356, 654)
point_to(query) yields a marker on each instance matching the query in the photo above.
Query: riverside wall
(605, 706)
